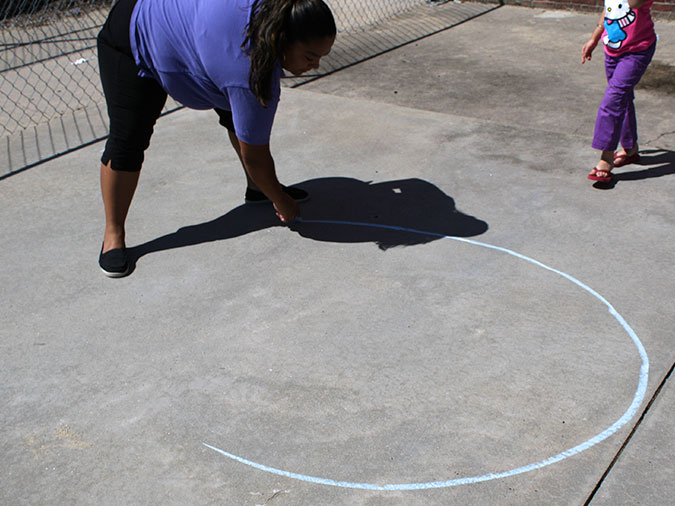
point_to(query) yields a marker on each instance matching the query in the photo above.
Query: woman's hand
(259, 165)
(287, 209)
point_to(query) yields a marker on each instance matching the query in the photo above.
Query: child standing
(627, 32)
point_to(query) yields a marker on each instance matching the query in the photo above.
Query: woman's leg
(134, 104)
(225, 119)
(253, 193)
(234, 140)
(117, 190)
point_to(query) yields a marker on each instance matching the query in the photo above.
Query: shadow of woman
(408, 203)
(664, 160)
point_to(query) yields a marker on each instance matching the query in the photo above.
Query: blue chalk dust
(627, 416)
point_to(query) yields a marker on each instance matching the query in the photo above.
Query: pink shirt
(627, 30)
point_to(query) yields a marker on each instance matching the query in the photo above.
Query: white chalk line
(627, 416)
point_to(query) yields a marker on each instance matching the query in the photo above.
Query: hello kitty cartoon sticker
(618, 15)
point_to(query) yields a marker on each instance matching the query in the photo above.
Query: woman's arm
(259, 165)
(587, 50)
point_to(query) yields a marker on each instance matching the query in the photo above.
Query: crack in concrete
(650, 141)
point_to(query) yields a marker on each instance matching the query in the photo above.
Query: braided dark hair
(274, 25)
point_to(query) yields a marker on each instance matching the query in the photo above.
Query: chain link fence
(50, 94)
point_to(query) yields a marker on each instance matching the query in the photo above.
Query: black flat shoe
(114, 263)
(258, 197)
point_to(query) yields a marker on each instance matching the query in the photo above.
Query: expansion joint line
(630, 436)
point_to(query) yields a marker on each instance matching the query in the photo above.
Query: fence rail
(50, 95)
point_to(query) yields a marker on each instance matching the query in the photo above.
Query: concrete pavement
(363, 356)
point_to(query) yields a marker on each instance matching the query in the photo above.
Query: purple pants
(616, 117)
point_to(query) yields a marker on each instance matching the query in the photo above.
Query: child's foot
(626, 156)
(602, 172)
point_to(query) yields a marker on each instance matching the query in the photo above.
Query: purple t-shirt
(193, 49)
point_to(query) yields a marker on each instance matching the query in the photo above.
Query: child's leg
(616, 119)
(628, 137)
(616, 115)
(602, 137)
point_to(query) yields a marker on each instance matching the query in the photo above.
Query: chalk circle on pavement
(638, 397)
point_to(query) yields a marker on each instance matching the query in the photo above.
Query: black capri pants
(134, 103)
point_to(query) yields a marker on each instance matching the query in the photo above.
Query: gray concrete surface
(647, 462)
(356, 354)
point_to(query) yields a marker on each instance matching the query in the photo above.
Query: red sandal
(622, 159)
(601, 179)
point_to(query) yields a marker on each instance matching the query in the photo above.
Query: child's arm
(587, 50)
(636, 4)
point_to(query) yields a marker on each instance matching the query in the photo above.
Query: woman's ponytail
(274, 25)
